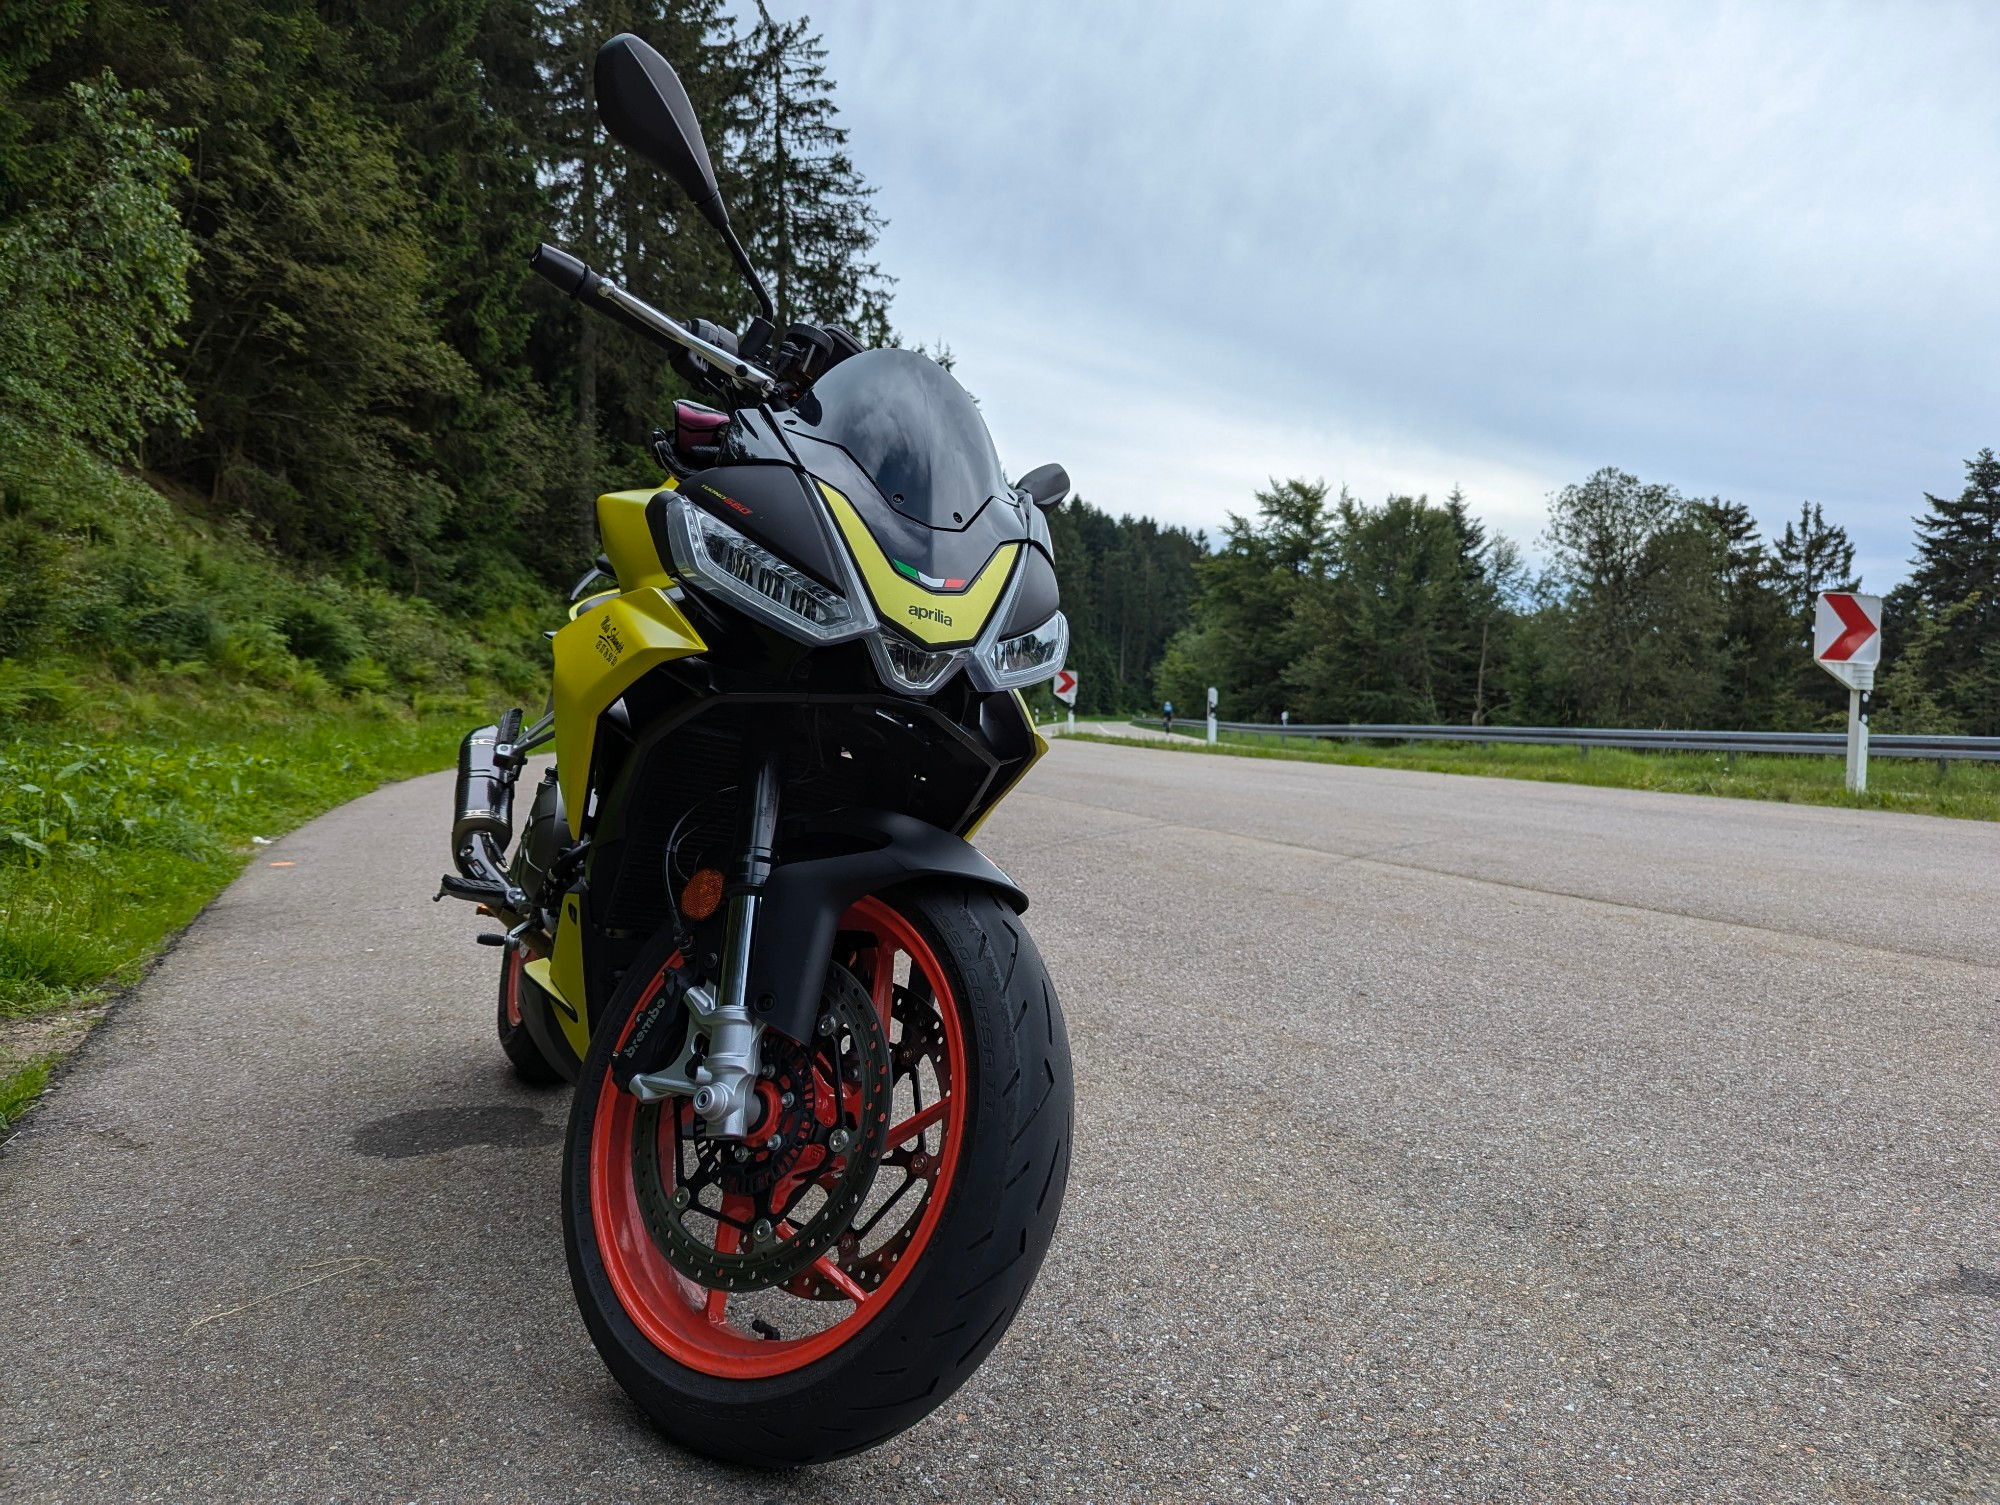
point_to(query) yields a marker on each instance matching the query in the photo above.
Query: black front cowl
(767, 503)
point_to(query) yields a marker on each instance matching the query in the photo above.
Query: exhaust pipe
(483, 816)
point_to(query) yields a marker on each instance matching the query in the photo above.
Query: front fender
(865, 851)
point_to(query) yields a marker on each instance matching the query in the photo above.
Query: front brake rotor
(741, 1215)
(922, 1043)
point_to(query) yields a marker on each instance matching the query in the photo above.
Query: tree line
(275, 253)
(1652, 609)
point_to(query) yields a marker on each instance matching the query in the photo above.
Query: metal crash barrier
(1779, 744)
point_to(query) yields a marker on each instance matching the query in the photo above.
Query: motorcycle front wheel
(939, 1000)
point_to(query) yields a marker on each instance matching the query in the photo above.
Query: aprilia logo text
(930, 614)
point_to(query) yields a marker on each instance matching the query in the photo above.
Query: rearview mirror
(643, 106)
(1046, 485)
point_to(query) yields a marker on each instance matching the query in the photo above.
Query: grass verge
(111, 841)
(1966, 791)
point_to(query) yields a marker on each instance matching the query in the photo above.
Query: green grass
(20, 1087)
(1968, 791)
(110, 842)
(171, 689)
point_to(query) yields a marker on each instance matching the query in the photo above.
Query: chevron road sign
(1065, 686)
(1847, 628)
(1847, 643)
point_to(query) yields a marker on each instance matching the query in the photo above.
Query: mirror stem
(749, 271)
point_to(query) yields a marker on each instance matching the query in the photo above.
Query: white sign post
(1847, 643)
(1065, 688)
(1211, 715)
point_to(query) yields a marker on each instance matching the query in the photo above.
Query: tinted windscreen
(912, 430)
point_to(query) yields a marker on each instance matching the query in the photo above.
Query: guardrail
(1780, 744)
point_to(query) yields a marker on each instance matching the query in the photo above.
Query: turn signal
(702, 894)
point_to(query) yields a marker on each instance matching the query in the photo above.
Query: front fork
(725, 1101)
(722, 1079)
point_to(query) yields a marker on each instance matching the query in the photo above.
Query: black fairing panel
(1035, 598)
(768, 503)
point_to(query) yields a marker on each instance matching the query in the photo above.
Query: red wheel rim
(693, 1325)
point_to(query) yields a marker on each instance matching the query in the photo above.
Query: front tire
(885, 1325)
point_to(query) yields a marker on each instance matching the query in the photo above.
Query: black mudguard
(840, 858)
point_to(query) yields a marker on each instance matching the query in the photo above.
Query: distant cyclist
(1167, 718)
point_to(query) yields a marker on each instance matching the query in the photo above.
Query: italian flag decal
(928, 582)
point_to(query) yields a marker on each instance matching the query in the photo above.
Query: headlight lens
(1028, 659)
(909, 667)
(709, 552)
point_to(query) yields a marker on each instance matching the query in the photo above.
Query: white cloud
(1745, 249)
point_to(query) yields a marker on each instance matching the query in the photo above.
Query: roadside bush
(171, 634)
(28, 695)
(32, 605)
(313, 630)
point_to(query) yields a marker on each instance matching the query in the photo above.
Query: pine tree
(1403, 626)
(1758, 654)
(1126, 583)
(379, 385)
(812, 225)
(1813, 557)
(1956, 583)
(1244, 633)
(1489, 573)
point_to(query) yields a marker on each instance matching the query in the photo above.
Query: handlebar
(574, 279)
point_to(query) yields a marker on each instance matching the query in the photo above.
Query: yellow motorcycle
(821, 1120)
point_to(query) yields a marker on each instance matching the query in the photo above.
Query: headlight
(1027, 659)
(908, 667)
(710, 553)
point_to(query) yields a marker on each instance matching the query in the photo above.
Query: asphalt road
(1436, 1138)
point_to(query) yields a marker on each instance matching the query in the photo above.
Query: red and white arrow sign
(1065, 686)
(1847, 628)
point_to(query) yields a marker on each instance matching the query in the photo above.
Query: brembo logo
(930, 614)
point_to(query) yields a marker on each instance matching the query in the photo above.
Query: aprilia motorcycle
(821, 1121)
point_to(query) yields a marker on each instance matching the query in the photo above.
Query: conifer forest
(263, 268)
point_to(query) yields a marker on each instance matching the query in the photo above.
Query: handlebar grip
(565, 271)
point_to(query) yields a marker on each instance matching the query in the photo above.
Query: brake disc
(741, 1215)
(863, 1258)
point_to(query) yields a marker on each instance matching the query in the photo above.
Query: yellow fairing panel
(943, 621)
(598, 656)
(562, 977)
(628, 541)
(1041, 746)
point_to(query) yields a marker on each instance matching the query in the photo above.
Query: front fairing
(894, 436)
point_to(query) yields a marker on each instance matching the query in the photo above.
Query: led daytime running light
(712, 553)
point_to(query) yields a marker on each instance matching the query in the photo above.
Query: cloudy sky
(1751, 250)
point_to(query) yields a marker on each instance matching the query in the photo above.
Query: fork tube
(732, 1057)
(757, 835)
